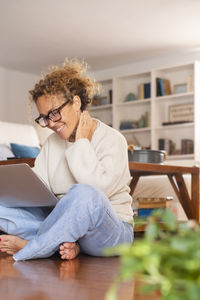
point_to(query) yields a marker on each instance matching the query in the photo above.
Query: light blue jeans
(84, 214)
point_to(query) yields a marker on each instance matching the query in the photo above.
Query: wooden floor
(84, 278)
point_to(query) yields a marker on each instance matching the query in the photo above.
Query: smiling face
(70, 114)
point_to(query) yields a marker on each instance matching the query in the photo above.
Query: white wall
(2, 93)
(14, 98)
(147, 65)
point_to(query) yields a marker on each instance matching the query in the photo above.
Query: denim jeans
(84, 214)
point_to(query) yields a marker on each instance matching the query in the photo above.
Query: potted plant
(166, 259)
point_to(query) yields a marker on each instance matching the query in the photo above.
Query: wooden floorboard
(84, 278)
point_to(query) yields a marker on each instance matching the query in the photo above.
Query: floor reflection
(52, 279)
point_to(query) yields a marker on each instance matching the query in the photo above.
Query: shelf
(100, 107)
(174, 96)
(181, 156)
(134, 102)
(184, 125)
(136, 130)
(155, 109)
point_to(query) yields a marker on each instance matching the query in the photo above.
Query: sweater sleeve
(41, 165)
(104, 169)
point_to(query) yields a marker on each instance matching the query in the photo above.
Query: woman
(84, 163)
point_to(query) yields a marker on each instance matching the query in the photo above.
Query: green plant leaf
(122, 249)
(152, 231)
(181, 244)
(169, 219)
(149, 288)
(112, 293)
(193, 291)
(168, 256)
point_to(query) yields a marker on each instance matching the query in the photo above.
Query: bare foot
(69, 250)
(11, 244)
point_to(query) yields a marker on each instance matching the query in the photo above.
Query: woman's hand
(85, 127)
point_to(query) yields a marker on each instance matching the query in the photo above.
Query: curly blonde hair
(68, 80)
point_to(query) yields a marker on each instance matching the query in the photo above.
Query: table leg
(195, 194)
(185, 200)
(172, 180)
(133, 183)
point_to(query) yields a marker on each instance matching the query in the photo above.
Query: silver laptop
(21, 187)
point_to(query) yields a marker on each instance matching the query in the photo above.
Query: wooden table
(175, 175)
(29, 161)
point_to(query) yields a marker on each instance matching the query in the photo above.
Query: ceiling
(106, 33)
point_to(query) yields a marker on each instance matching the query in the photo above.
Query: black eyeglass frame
(51, 112)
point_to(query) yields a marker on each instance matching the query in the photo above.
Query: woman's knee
(84, 195)
(83, 188)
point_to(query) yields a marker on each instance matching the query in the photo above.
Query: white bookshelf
(157, 107)
(104, 112)
(100, 107)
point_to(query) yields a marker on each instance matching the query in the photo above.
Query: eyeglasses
(53, 115)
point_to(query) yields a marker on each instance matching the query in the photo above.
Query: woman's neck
(72, 137)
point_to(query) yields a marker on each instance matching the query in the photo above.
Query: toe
(6, 250)
(10, 252)
(62, 252)
(69, 245)
(3, 239)
(64, 257)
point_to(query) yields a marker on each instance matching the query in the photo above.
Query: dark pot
(147, 156)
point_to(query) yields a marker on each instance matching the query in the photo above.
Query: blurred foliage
(167, 258)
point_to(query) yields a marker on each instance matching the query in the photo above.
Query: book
(144, 213)
(167, 87)
(162, 87)
(166, 145)
(153, 199)
(155, 202)
(110, 93)
(162, 90)
(158, 89)
(146, 206)
(174, 123)
(165, 204)
(124, 125)
(147, 90)
(161, 144)
(141, 91)
(187, 146)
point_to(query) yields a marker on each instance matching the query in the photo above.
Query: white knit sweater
(101, 162)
